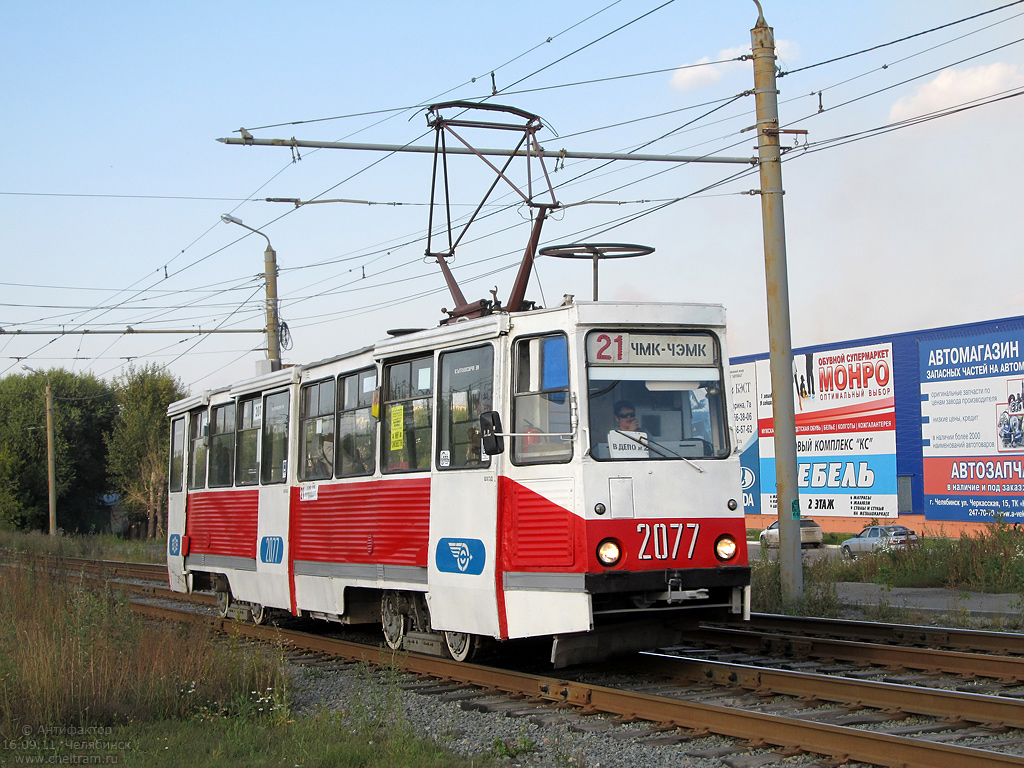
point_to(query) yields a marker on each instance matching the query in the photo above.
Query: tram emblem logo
(174, 545)
(460, 551)
(461, 556)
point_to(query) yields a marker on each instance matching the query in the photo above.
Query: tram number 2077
(655, 543)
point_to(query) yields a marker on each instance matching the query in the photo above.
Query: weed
(376, 709)
(820, 593)
(89, 547)
(76, 655)
(521, 746)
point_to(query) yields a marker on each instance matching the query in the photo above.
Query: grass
(988, 561)
(83, 680)
(86, 546)
(74, 654)
(326, 741)
(820, 593)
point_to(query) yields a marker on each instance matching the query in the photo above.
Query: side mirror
(490, 432)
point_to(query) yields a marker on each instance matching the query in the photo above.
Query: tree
(138, 443)
(83, 414)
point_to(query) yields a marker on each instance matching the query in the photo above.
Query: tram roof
(577, 313)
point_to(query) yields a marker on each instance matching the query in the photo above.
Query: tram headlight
(726, 548)
(609, 552)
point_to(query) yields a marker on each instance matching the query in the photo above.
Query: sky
(902, 206)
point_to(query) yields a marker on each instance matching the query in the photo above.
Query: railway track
(998, 643)
(690, 699)
(761, 646)
(734, 692)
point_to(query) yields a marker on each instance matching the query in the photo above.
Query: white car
(876, 537)
(811, 534)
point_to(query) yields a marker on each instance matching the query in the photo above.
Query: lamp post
(270, 273)
(51, 459)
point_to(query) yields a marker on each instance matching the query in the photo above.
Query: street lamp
(270, 273)
(51, 460)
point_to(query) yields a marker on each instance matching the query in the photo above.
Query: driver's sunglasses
(627, 415)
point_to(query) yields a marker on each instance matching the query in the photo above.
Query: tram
(516, 472)
(381, 485)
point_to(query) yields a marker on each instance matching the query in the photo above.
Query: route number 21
(606, 342)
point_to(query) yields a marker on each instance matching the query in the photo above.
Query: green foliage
(820, 593)
(95, 546)
(521, 746)
(83, 414)
(138, 442)
(991, 560)
(72, 654)
(315, 742)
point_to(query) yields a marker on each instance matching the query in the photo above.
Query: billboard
(972, 413)
(845, 432)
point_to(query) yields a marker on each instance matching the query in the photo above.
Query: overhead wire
(901, 40)
(331, 188)
(794, 71)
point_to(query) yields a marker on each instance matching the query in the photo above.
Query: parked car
(876, 537)
(810, 534)
(901, 537)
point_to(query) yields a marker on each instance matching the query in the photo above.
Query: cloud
(694, 76)
(786, 52)
(952, 87)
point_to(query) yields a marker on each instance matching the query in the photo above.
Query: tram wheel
(259, 613)
(462, 646)
(392, 620)
(223, 603)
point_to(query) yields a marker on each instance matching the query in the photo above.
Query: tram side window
(357, 429)
(541, 401)
(466, 381)
(222, 445)
(274, 464)
(316, 425)
(177, 453)
(407, 406)
(197, 449)
(247, 441)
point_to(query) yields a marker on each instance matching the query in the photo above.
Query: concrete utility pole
(270, 274)
(51, 459)
(51, 451)
(777, 283)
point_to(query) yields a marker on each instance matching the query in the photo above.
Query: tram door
(463, 546)
(176, 508)
(272, 525)
(542, 567)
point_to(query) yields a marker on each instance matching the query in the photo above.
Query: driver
(625, 416)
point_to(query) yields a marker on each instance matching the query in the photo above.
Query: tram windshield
(655, 396)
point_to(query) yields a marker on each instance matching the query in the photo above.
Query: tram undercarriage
(622, 623)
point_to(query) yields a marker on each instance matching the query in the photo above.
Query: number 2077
(656, 540)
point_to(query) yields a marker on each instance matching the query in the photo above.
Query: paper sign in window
(397, 427)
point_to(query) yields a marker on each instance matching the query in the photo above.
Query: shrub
(74, 654)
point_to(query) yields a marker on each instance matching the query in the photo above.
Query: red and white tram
(558, 472)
